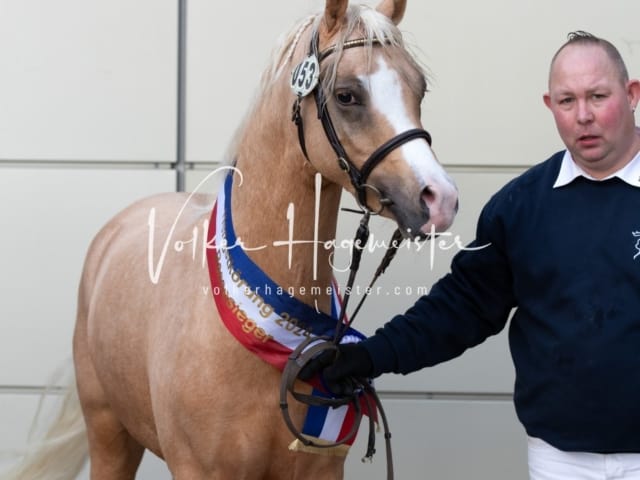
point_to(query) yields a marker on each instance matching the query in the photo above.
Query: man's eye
(565, 101)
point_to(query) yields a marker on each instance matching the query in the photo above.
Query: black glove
(339, 368)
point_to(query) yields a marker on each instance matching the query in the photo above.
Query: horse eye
(346, 97)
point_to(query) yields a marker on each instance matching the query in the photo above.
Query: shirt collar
(570, 170)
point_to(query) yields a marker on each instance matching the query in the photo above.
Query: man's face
(593, 108)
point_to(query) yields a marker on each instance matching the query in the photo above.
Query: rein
(313, 347)
(306, 80)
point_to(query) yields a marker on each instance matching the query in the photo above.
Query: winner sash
(266, 319)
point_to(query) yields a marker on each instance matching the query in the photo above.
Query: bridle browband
(357, 176)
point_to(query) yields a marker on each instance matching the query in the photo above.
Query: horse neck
(278, 192)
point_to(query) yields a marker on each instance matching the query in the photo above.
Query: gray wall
(88, 124)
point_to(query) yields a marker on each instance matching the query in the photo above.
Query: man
(561, 248)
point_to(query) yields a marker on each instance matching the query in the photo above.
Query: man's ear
(547, 99)
(633, 91)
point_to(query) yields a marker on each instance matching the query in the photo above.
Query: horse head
(367, 93)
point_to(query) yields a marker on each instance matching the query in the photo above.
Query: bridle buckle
(344, 164)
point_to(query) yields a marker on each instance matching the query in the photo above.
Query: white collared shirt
(570, 170)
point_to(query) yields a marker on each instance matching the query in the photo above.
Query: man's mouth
(588, 140)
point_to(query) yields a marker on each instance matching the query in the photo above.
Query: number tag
(305, 76)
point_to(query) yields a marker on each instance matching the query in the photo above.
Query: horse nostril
(427, 195)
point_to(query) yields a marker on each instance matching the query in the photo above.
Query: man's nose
(584, 113)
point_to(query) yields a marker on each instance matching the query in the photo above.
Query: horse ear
(394, 9)
(334, 12)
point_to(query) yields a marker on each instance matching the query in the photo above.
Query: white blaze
(386, 98)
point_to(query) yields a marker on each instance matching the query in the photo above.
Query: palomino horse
(155, 367)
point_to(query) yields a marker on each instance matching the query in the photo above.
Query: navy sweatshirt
(568, 259)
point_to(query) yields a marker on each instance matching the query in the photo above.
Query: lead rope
(312, 347)
(392, 249)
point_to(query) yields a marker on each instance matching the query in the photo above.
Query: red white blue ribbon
(264, 317)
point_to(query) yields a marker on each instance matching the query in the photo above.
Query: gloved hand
(339, 368)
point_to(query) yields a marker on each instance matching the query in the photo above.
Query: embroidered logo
(637, 246)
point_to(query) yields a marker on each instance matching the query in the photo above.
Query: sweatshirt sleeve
(462, 309)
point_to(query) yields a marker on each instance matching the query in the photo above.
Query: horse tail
(62, 451)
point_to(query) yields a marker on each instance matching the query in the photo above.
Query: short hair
(580, 37)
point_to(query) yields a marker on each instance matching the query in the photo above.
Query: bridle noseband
(313, 85)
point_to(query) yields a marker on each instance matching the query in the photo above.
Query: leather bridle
(314, 346)
(357, 176)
